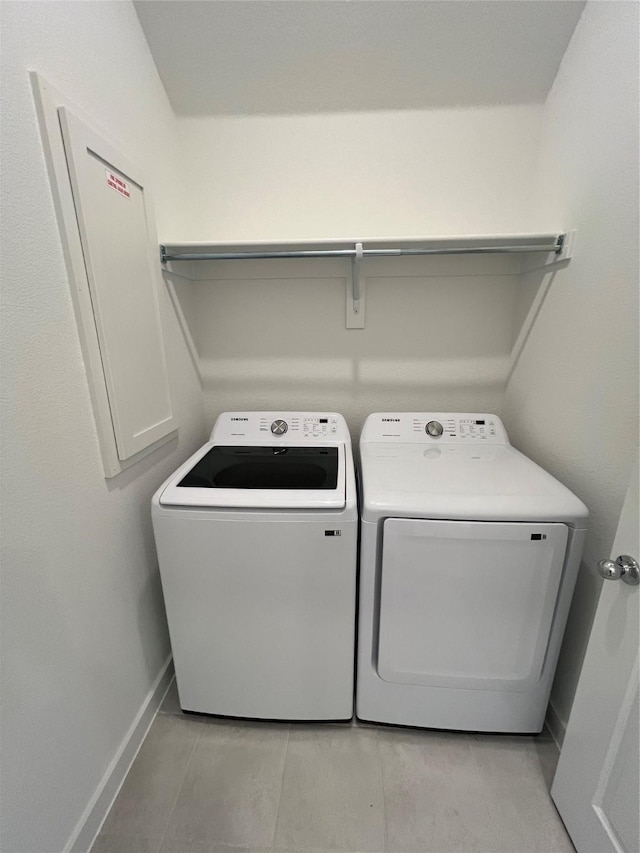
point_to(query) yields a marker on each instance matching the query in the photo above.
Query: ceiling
(245, 57)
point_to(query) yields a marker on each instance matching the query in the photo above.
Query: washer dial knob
(434, 429)
(279, 427)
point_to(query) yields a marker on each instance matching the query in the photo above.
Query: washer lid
(247, 476)
(455, 481)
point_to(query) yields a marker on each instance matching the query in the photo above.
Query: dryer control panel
(435, 428)
(265, 428)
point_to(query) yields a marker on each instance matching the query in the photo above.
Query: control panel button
(279, 427)
(434, 429)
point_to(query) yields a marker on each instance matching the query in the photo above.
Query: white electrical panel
(115, 222)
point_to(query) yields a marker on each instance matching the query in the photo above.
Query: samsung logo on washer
(391, 420)
(239, 419)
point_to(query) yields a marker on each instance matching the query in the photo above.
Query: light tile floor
(202, 785)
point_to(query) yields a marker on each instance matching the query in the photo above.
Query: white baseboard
(556, 725)
(91, 821)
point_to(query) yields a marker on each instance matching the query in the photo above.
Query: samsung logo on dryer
(239, 419)
(391, 420)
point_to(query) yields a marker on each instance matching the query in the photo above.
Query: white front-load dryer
(469, 556)
(257, 544)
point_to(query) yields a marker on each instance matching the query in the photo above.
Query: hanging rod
(556, 247)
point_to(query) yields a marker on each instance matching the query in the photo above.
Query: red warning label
(117, 184)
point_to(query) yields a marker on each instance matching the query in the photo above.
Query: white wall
(403, 173)
(438, 335)
(438, 332)
(572, 399)
(83, 627)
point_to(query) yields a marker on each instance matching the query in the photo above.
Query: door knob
(625, 568)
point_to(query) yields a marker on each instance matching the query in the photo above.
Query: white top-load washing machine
(469, 555)
(257, 543)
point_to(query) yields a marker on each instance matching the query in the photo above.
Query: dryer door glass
(467, 604)
(265, 468)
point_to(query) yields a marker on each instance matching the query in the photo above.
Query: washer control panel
(279, 427)
(435, 428)
(305, 426)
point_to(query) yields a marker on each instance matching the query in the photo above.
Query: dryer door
(467, 604)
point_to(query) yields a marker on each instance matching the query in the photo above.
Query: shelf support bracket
(355, 291)
(355, 276)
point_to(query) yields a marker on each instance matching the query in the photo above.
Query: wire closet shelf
(356, 249)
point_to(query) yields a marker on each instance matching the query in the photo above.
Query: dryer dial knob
(279, 427)
(434, 429)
